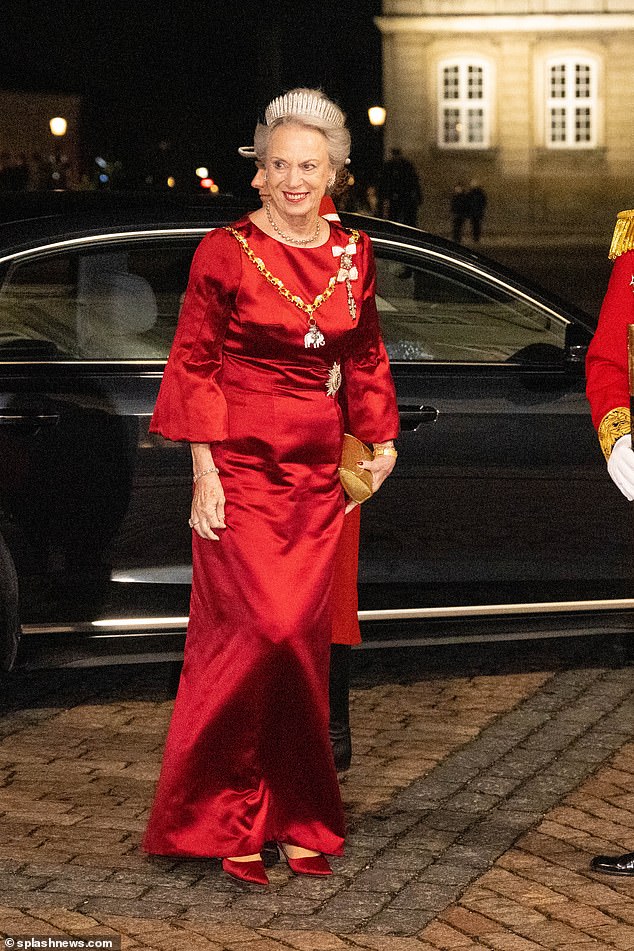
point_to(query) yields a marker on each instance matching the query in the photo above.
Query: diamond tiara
(304, 104)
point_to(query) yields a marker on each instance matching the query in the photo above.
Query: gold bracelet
(385, 451)
(199, 475)
(614, 424)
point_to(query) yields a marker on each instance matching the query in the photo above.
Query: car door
(504, 498)
(93, 508)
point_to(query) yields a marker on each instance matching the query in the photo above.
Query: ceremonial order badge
(347, 270)
(334, 379)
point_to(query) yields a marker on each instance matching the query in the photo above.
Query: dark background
(191, 75)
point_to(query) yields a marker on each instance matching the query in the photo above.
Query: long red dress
(248, 756)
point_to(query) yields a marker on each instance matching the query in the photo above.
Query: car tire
(9, 609)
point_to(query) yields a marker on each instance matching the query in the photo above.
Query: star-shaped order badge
(347, 272)
(334, 379)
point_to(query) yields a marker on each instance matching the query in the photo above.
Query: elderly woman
(345, 599)
(278, 309)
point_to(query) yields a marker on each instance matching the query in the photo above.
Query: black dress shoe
(614, 864)
(270, 854)
(341, 743)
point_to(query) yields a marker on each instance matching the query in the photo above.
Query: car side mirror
(577, 353)
(577, 342)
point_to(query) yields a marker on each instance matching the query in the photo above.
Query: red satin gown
(248, 756)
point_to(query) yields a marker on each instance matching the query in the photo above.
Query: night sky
(192, 74)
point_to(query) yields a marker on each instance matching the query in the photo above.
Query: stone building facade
(533, 98)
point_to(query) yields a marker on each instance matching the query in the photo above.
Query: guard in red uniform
(345, 597)
(609, 396)
(606, 365)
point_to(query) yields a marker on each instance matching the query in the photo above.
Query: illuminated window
(464, 104)
(571, 105)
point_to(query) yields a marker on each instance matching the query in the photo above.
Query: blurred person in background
(400, 193)
(476, 206)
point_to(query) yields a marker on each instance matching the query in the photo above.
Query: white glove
(621, 466)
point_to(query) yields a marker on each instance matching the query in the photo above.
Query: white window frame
(463, 104)
(570, 102)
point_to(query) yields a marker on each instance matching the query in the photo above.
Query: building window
(571, 106)
(464, 104)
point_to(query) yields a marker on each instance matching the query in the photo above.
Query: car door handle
(29, 420)
(411, 419)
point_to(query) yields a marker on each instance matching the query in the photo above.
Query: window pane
(451, 82)
(37, 310)
(583, 125)
(475, 126)
(582, 81)
(463, 112)
(438, 313)
(451, 125)
(115, 303)
(570, 124)
(558, 81)
(558, 125)
(475, 82)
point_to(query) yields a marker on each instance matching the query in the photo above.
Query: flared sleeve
(190, 404)
(371, 407)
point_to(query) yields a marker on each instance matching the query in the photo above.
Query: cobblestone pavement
(483, 781)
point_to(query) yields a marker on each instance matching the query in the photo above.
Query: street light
(59, 163)
(202, 172)
(58, 126)
(377, 115)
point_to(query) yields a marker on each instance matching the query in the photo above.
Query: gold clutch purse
(357, 482)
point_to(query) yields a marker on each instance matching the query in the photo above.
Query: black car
(493, 525)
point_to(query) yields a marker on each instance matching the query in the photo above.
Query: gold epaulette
(623, 237)
(614, 424)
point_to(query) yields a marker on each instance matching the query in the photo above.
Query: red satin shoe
(252, 872)
(307, 864)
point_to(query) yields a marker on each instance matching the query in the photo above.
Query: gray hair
(336, 134)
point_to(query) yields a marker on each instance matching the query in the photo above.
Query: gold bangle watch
(385, 451)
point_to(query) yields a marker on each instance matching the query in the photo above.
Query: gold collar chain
(275, 282)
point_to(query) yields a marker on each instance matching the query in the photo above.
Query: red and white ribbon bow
(347, 271)
(337, 251)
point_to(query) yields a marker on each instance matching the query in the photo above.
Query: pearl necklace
(288, 237)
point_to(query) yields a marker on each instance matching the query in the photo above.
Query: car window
(113, 302)
(436, 311)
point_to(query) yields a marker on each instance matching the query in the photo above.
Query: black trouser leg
(340, 705)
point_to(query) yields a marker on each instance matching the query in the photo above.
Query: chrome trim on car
(150, 625)
(496, 610)
(110, 236)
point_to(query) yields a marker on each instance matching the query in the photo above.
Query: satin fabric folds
(248, 757)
